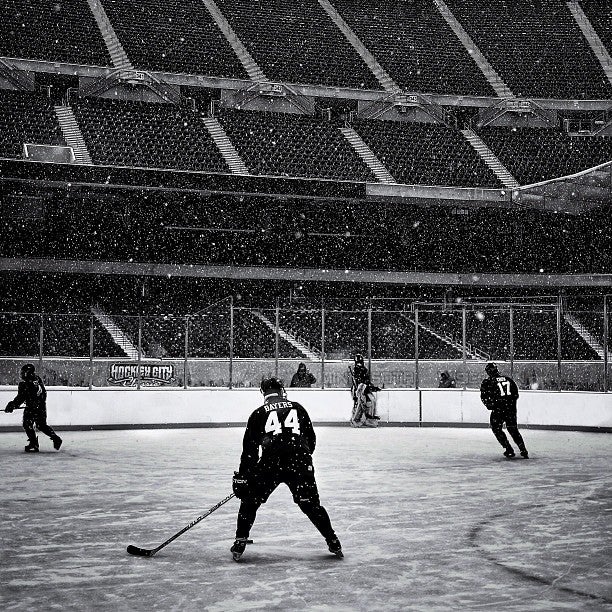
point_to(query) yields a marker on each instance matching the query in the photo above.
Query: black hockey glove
(240, 485)
(9, 407)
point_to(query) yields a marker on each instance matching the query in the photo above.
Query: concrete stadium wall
(81, 408)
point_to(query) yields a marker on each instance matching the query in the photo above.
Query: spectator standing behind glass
(302, 378)
(446, 381)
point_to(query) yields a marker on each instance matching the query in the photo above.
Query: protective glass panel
(488, 333)
(582, 342)
(393, 342)
(608, 345)
(535, 334)
(440, 334)
(208, 349)
(254, 333)
(392, 335)
(535, 338)
(66, 348)
(66, 336)
(20, 334)
(346, 334)
(115, 351)
(300, 348)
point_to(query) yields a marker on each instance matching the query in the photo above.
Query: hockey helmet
(491, 369)
(272, 386)
(28, 371)
(359, 358)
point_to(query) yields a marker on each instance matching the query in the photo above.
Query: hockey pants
(316, 513)
(498, 419)
(36, 418)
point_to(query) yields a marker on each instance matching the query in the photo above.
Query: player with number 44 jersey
(283, 431)
(499, 394)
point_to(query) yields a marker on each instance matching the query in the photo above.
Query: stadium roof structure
(575, 194)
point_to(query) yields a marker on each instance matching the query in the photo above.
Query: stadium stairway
(379, 72)
(122, 341)
(592, 37)
(231, 156)
(246, 59)
(307, 351)
(116, 51)
(586, 335)
(379, 170)
(72, 134)
(470, 351)
(490, 159)
(500, 87)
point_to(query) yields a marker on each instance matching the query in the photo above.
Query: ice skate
(335, 547)
(32, 446)
(57, 442)
(524, 454)
(509, 453)
(238, 548)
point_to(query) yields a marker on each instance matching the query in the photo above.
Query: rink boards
(122, 408)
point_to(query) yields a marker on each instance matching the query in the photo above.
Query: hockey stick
(352, 381)
(145, 552)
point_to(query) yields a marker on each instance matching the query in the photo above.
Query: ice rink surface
(429, 519)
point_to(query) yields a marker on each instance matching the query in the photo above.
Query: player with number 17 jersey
(499, 392)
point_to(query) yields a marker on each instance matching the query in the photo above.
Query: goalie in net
(364, 396)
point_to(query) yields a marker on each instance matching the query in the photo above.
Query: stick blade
(139, 552)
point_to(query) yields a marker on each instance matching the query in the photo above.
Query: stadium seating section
(416, 47)
(536, 47)
(65, 335)
(393, 334)
(239, 230)
(598, 13)
(534, 336)
(157, 135)
(147, 135)
(209, 335)
(165, 302)
(52, 31)
(537, 154)
(173, 36)
(295, 41)
(26, 118)
(284, 144)
(426, 154)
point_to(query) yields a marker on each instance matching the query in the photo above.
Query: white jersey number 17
(504, 387)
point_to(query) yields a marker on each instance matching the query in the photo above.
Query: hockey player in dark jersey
(32, 392)
(283, 431)
(499, 394)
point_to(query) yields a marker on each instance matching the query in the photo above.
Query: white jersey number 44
(274, 425)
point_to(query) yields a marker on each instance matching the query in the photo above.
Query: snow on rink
(430, 519)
